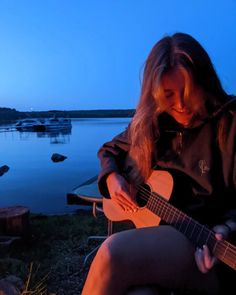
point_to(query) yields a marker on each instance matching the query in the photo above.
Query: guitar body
(156, 192)
(160, 182)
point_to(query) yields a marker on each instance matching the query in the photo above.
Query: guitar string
(168, 208)
(221, 246)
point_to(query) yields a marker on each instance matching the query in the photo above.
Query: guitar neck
(197, 233)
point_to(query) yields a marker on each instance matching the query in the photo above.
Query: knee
(110, 255)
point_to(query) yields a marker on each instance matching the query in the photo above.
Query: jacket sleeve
(112, 156)
(229, 160)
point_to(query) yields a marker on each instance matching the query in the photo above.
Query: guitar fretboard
(197, 233)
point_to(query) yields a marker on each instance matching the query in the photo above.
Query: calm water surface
(40, 184)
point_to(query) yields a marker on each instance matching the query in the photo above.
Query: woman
(184, 124)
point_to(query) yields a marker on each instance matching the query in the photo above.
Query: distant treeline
(9, 115)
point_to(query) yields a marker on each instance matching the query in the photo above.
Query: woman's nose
(179, 104)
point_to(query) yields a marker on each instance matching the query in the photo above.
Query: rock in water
(3, 169)
(58, 158)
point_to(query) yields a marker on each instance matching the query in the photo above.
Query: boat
(29, 125)
(57, 123)
(44, 125)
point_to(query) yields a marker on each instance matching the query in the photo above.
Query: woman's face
(173, 85)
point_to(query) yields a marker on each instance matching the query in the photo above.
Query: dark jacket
(204, 175)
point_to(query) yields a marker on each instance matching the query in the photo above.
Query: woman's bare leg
(155, 255)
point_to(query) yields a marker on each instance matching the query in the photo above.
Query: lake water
(40, 184)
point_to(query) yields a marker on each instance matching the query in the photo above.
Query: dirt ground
(53, 257)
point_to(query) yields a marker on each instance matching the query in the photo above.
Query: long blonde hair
(178, 51)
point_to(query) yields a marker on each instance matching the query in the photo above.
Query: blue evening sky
(88, 54)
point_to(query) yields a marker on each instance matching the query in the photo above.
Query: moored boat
(57, 123)
(30, 125)
(47, 124)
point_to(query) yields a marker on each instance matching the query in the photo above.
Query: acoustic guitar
(153, 197)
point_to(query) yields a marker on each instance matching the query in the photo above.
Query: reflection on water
(57, 136)
(34, 180)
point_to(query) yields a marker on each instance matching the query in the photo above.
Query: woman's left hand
(204, 260)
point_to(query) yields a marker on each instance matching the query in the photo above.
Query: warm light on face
(176, 97)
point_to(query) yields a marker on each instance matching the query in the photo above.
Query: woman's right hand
(121, 192)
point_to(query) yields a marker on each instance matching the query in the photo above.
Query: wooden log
(14, 221)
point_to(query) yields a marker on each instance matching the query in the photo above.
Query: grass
(54, 252)
(51, 261)
(40, 288)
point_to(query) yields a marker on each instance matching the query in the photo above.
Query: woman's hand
(121, 192)
(204, 260)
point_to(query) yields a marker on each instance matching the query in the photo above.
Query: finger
(124, 203)
(200, 261)
(128, 199)
(129, 205)
(133, 193)
(209, 260)
(221, 231)
(119, 199)
(219, 236)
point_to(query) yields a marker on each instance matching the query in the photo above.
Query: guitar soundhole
(143, 195)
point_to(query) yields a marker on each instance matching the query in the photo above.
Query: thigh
(158, 255)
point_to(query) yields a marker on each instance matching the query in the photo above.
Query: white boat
(47, 124)
(29, 125)
(55, 123)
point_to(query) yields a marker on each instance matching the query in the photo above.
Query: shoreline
(8, 115)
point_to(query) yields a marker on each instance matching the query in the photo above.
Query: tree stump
(14, 221)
